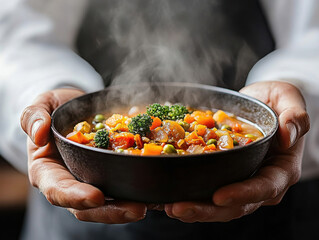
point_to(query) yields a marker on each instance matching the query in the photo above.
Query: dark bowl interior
(162, 179)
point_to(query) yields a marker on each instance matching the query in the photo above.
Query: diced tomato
(122, 140)
(156, 123)
(152, 149)
(78, 137)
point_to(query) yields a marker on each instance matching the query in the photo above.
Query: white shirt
(36, 55)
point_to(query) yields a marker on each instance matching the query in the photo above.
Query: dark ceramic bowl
(162, 179)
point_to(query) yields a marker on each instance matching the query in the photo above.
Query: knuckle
(25, 117)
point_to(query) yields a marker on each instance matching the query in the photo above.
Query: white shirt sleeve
(35, 56)
(295, 27)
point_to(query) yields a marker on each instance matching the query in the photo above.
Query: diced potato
(83, 127)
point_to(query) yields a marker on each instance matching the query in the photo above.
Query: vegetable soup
(166, 129)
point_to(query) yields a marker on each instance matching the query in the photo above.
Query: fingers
(288, 102)
(35, 119)
(56, 182)
(293, 124)
(207, 212)
(36, 122)
(268, 185)
(112, 212)
(293, 119)
(233, 201)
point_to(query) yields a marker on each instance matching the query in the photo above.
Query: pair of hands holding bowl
(267, 187)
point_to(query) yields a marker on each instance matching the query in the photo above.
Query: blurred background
(13, 198)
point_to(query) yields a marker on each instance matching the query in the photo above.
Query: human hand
(48, 173)
(280, 171)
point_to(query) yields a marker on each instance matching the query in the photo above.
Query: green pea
(119, 150)
(184, 125)
(226, 127)
(99, 118)
(99, 126)
(169, 148)
(235, 143)
(211, 141)
(249, 136)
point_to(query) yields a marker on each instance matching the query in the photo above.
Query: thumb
(36, 119)
(288, 102)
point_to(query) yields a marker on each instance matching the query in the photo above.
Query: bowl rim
(175, 84)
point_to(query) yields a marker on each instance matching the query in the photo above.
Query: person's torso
(209, 41)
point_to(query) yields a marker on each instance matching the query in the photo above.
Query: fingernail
(35, 127)
(90, 204)
(292, 133)
(129, 216)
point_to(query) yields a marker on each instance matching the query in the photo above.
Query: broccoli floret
(177, 112)
(158, 110)
(140, 124)
(173, 112)
(101, 138)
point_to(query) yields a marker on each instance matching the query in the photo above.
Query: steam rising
(171, 41)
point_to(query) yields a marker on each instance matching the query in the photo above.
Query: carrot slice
(78, 137)
(134, 151)
(156, 123)
(138, 140)
(152, 149)
(194, 139)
